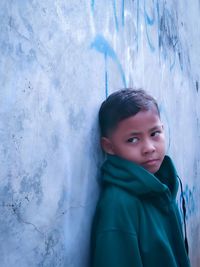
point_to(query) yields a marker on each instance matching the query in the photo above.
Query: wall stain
(197, 86)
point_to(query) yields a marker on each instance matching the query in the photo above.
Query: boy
(136, 223)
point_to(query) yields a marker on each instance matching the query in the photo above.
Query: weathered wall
(59, 60)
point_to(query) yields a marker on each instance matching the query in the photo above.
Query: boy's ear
(107, 145)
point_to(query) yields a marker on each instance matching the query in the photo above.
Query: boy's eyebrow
(135, 133)
(150, 130)
(155, 128)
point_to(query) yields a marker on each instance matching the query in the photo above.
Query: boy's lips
(151, 162)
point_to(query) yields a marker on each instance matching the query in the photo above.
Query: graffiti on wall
(188, 194)
(101, 44)
(161, 30)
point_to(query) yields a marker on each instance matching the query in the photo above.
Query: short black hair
(121, 105)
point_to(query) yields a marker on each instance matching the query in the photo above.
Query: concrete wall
(59, 59)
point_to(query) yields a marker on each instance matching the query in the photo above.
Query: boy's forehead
(148, 119)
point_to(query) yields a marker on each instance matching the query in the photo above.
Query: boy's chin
(153, 168)
(153, 171)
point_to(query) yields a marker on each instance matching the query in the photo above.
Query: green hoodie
(137, 223)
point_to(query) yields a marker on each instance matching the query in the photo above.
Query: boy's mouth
(151, 162)
(152, 165)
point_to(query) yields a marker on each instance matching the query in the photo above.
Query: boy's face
(140, 139)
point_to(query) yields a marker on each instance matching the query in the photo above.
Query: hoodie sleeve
(115, 248)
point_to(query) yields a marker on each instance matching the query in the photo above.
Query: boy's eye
(133, 140)
(156, 133)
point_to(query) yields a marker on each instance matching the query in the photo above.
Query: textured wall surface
(58, 61)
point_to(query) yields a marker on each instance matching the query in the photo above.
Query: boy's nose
(148, 147)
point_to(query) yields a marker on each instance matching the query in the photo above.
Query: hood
(138, 181)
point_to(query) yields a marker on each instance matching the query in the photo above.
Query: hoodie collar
(138, 181)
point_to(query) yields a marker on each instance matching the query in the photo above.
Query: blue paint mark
(102, 46)
(92, 5)
(115, 15)
(138, 4)
(149, 22)
(188, 195)
(158, 18)
(122, 13)
(106, 76)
